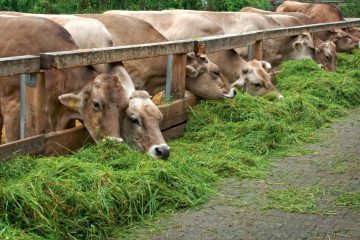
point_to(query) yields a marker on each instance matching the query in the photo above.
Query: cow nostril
(162, 152)
(158, 151)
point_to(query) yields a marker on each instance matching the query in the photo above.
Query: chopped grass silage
(99, 188)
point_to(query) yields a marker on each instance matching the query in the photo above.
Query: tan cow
(175, 26)
(90, 33)
(274, 50)
(319, 12)
(345, 41)
(202, 76)
(100, 99)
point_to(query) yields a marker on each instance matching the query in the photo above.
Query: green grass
(349, 199)
(100, 188)
(301, 200)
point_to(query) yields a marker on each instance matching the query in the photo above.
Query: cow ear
(71, 100)
(266, 65)
(199, 50)
(296, 45)
(191, 71)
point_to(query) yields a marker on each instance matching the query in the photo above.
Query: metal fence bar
(250, 51)
(22, 105)
(168, 77)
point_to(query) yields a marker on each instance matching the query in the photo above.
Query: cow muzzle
(230, 94)
(161, 151)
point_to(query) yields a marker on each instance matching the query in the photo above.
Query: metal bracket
(30, 80)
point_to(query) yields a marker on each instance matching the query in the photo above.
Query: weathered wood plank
(17, 65)
(66, 141)
(34, 146)
(174, 132)
(229, 41)
(178, 76)
(84, 57)
(35, 105)
(176, 112)
(258, 50)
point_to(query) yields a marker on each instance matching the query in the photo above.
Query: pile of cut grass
(102, 187)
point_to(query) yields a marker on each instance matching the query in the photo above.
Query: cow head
(355, 31)
(303, 46)
(256, 79)
(203, 78)
(325, 54)
(140, 126)
(100, 105)
(344, 41)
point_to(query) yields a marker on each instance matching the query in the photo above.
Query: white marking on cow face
(161, 151)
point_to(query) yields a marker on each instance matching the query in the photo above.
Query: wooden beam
(258, 50)
(84, 57)
(55, 143)
(35, 119)
(178, 76)
(33, 146)
(174, 132)
(66, 141)
(10, 66)
(231, 41)
(176, 112)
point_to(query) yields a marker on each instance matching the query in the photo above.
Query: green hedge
(91, 6)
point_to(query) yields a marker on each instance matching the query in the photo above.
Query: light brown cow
(319, 12)
(95, 110)
(274, 50)
(140, 127)
(175, 26)
(202, 76)
(90, 33)
(345, 39)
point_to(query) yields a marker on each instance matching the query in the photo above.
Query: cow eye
(96, 105)
(135, 121)
(216, 74)
(258, 85)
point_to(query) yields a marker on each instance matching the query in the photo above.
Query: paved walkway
(252, 210)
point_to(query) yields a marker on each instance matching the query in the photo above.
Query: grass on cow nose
(107, 186)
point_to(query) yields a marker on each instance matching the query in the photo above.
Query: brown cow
(319, 12)
(345, 41)
(175, 26)
(90, 33)
(202, 76)
(140, 126)
(92, 106)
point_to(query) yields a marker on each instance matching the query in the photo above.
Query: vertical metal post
(250, 52)
(168, 77)
(22, 105)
